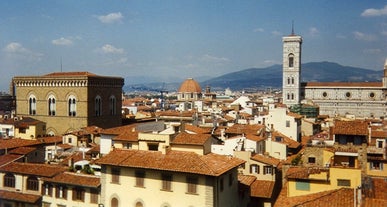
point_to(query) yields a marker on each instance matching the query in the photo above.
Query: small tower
(291, 84)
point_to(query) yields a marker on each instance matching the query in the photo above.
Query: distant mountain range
(262, 78)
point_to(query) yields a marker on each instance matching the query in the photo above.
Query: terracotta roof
(379, 134)
(342, 197)
(43, 170)
(26, 121)
(16, 142)
(303, 172)
(373, 202)
(357, 127)
(266, 159)
(20, 197)
(246, 179)
(284, 139)
(175, 113)
(190, 86)
(245, 129)
(5, 159)
(295, 115)
(191, 139)
(120, 129)
(22, 150)
(75, 179)
(196, 129)
(127, 136)
(343, 84)
(176, 161)
(81, 73)
(253, 137)
(262, 188)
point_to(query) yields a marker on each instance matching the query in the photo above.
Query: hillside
(261, 78)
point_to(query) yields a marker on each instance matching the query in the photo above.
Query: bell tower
(291, 69)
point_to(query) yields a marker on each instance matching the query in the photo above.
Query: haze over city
(183, 38)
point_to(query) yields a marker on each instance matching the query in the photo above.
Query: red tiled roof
(75, 179)
(303, 172)
(191, 139)
(357, 127)
(266, 159)
(22, 150)
(343, 84)
(246, 179)
(119, 130)
(262, 188)
(127, 136)
(43, 170)
(253, 137)
(176, 161)
(19, 197)
(245, 129)
(342, 197)
(285, 139)
(5, 159)
(16, 142)
(196, 129)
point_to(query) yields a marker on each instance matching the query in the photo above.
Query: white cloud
(213, 59)
(15, 50)
(372, 51)
(259, 30)
(363, 36)
(313, 31)
(62, 41)
(276, 33)
(110, 49)
(111, 18)
(374, 12)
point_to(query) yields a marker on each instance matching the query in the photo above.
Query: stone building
(361, 99)
(68, 101)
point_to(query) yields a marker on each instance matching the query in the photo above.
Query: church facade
(360, 99)
(68, 101)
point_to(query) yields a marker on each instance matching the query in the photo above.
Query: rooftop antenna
(61, 64)
(292, 27)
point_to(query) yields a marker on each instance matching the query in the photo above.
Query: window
(292, 96)
(343, 182)
(166, 182)
(51, 105)
(376, 165)
(254, 169)
(78, 194)
(72, 106)
(292, 80)
(140, 175)
(302, 185)
(113, 105)
(267, 170)
(230, 179)
(192, 183)
(288, 96)
(379, 143)
(61, 192)
(291, 60)
(115, 175)
(153, 147)
(32, 183)
(348, 94)
(32, 105)
(324, 94)
(94, 195)
(9, 180)
(139, 204)
(287, 123)
(311, 160)
(47, 190)
(45, 204)
(372, 95)
(98, 106)
(114, 202)
(288, 80)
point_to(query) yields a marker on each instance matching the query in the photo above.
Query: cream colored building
(173, 178)
(68, 101)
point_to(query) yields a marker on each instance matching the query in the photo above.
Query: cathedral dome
(190, 86)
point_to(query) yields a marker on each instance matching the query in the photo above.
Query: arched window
(113, 105)
(72, 106)
(51, 105)
(32, 105)
(288, 80)
(292, 80)
(139, 204)
(291, 60)
(9, 180)
(98, 106)
(288, 96)
(32, 183)
(114, 202)
(292, 96)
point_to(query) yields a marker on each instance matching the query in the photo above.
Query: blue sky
(173, 39)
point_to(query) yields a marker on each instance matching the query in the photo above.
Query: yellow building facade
(68, 101)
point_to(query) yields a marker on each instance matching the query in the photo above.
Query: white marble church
(360, 99)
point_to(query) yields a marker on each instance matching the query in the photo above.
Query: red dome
(190, 86)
